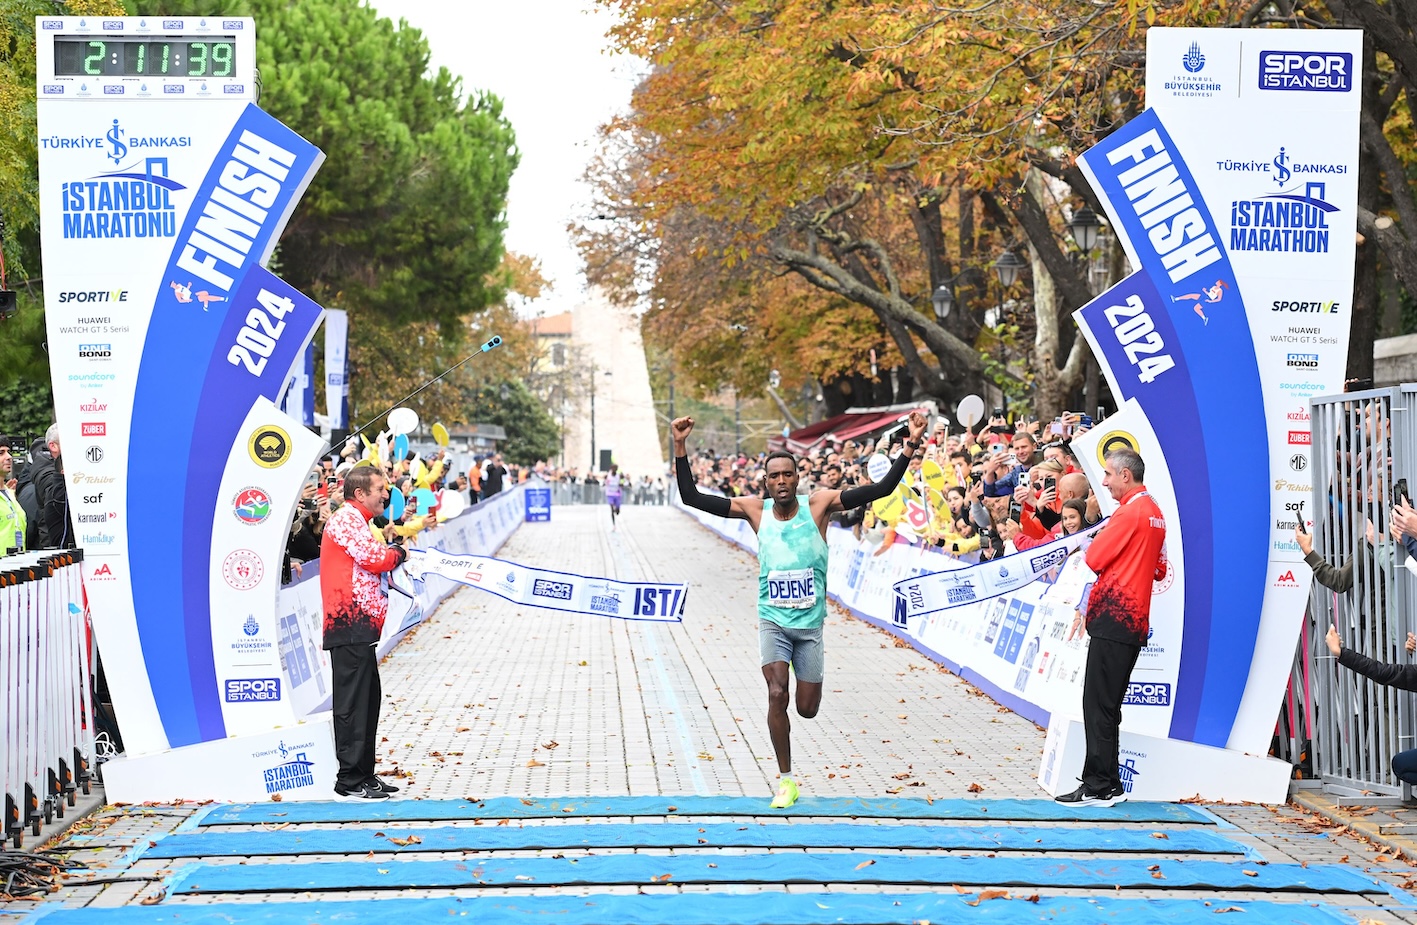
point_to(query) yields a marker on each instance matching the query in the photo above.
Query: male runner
(792, 575)
(613, 493)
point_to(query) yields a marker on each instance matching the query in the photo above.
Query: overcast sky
(548, 62)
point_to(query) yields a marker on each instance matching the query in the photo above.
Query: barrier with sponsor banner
(1018, 647)
(46, 711)
(163, 193)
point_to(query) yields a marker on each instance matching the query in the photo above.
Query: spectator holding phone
(1402, 677)
(1002, 475)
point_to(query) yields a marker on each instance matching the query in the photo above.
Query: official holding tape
(792, 575)
(355, 605)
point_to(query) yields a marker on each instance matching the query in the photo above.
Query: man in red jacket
(1127, 556)
(355, 604)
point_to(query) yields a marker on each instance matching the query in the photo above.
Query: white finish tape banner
(656, 602)
(956, 587)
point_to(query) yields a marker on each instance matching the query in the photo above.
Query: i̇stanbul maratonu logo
(117, 149)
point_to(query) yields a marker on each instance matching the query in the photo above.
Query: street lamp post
(593, 371)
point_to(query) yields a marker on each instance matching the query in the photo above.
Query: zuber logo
(1299, 437)
(93, 429)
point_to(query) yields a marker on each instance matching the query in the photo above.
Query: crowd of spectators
(432, 470)
(34, 503)
(1008, 486)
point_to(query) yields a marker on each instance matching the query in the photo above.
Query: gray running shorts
(802, 648)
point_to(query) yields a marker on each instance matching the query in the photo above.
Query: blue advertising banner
(538, 505)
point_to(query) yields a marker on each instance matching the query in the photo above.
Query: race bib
(794, 589)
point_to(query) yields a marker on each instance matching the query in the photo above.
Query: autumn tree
(874, 152)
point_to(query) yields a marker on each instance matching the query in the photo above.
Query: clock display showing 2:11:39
(157, 58)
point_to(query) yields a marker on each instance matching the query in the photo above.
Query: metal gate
(1362, 449)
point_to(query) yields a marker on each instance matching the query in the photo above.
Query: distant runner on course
(613, 493)
(792, 575)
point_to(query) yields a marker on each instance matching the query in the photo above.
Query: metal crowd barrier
(1363, 448)
(46, 709)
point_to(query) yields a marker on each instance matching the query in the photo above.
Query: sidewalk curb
(1318, 802)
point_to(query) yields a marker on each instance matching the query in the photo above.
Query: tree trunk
(1366, 296)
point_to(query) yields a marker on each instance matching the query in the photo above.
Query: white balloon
(405, 420)
(877, 466)
(451, 503)
(970, 410)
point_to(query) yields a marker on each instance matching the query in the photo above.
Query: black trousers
(356, 699)
(1104, 686)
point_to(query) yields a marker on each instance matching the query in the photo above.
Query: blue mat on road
(855, 867)
(714, 909)
(687, 835)
(837, 807)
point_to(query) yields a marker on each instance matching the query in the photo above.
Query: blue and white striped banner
(655, 602)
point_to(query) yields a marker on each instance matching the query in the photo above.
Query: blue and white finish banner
(656, 602)
(170, 349)
(337, 368)
(1235, 196)
(957, 587)
(299, 400)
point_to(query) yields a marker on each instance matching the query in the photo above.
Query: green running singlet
(792, 569)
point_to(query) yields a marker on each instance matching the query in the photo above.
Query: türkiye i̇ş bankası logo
(133, 201)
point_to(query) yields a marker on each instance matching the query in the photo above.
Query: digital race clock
(145, 57)
(135, 56)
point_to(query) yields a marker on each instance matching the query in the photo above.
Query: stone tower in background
(606, 347)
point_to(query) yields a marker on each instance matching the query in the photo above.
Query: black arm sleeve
(1403, 677)
(862, 495)
(689, 492)
(1047, 517)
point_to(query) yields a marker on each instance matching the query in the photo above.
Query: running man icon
(1209, 294)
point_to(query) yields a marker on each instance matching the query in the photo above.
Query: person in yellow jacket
(12, 515)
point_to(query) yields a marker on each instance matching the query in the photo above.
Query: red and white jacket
(1127, 556)
(351, 560)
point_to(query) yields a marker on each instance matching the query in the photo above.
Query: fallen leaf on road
(660, 878)
(974, 788)
(1159, 835)
(405, 842)
(523, 877)
(533, 763)
(988, 895)
(154, 899)
(864, 864)
(550, 745)
(1250, 873)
